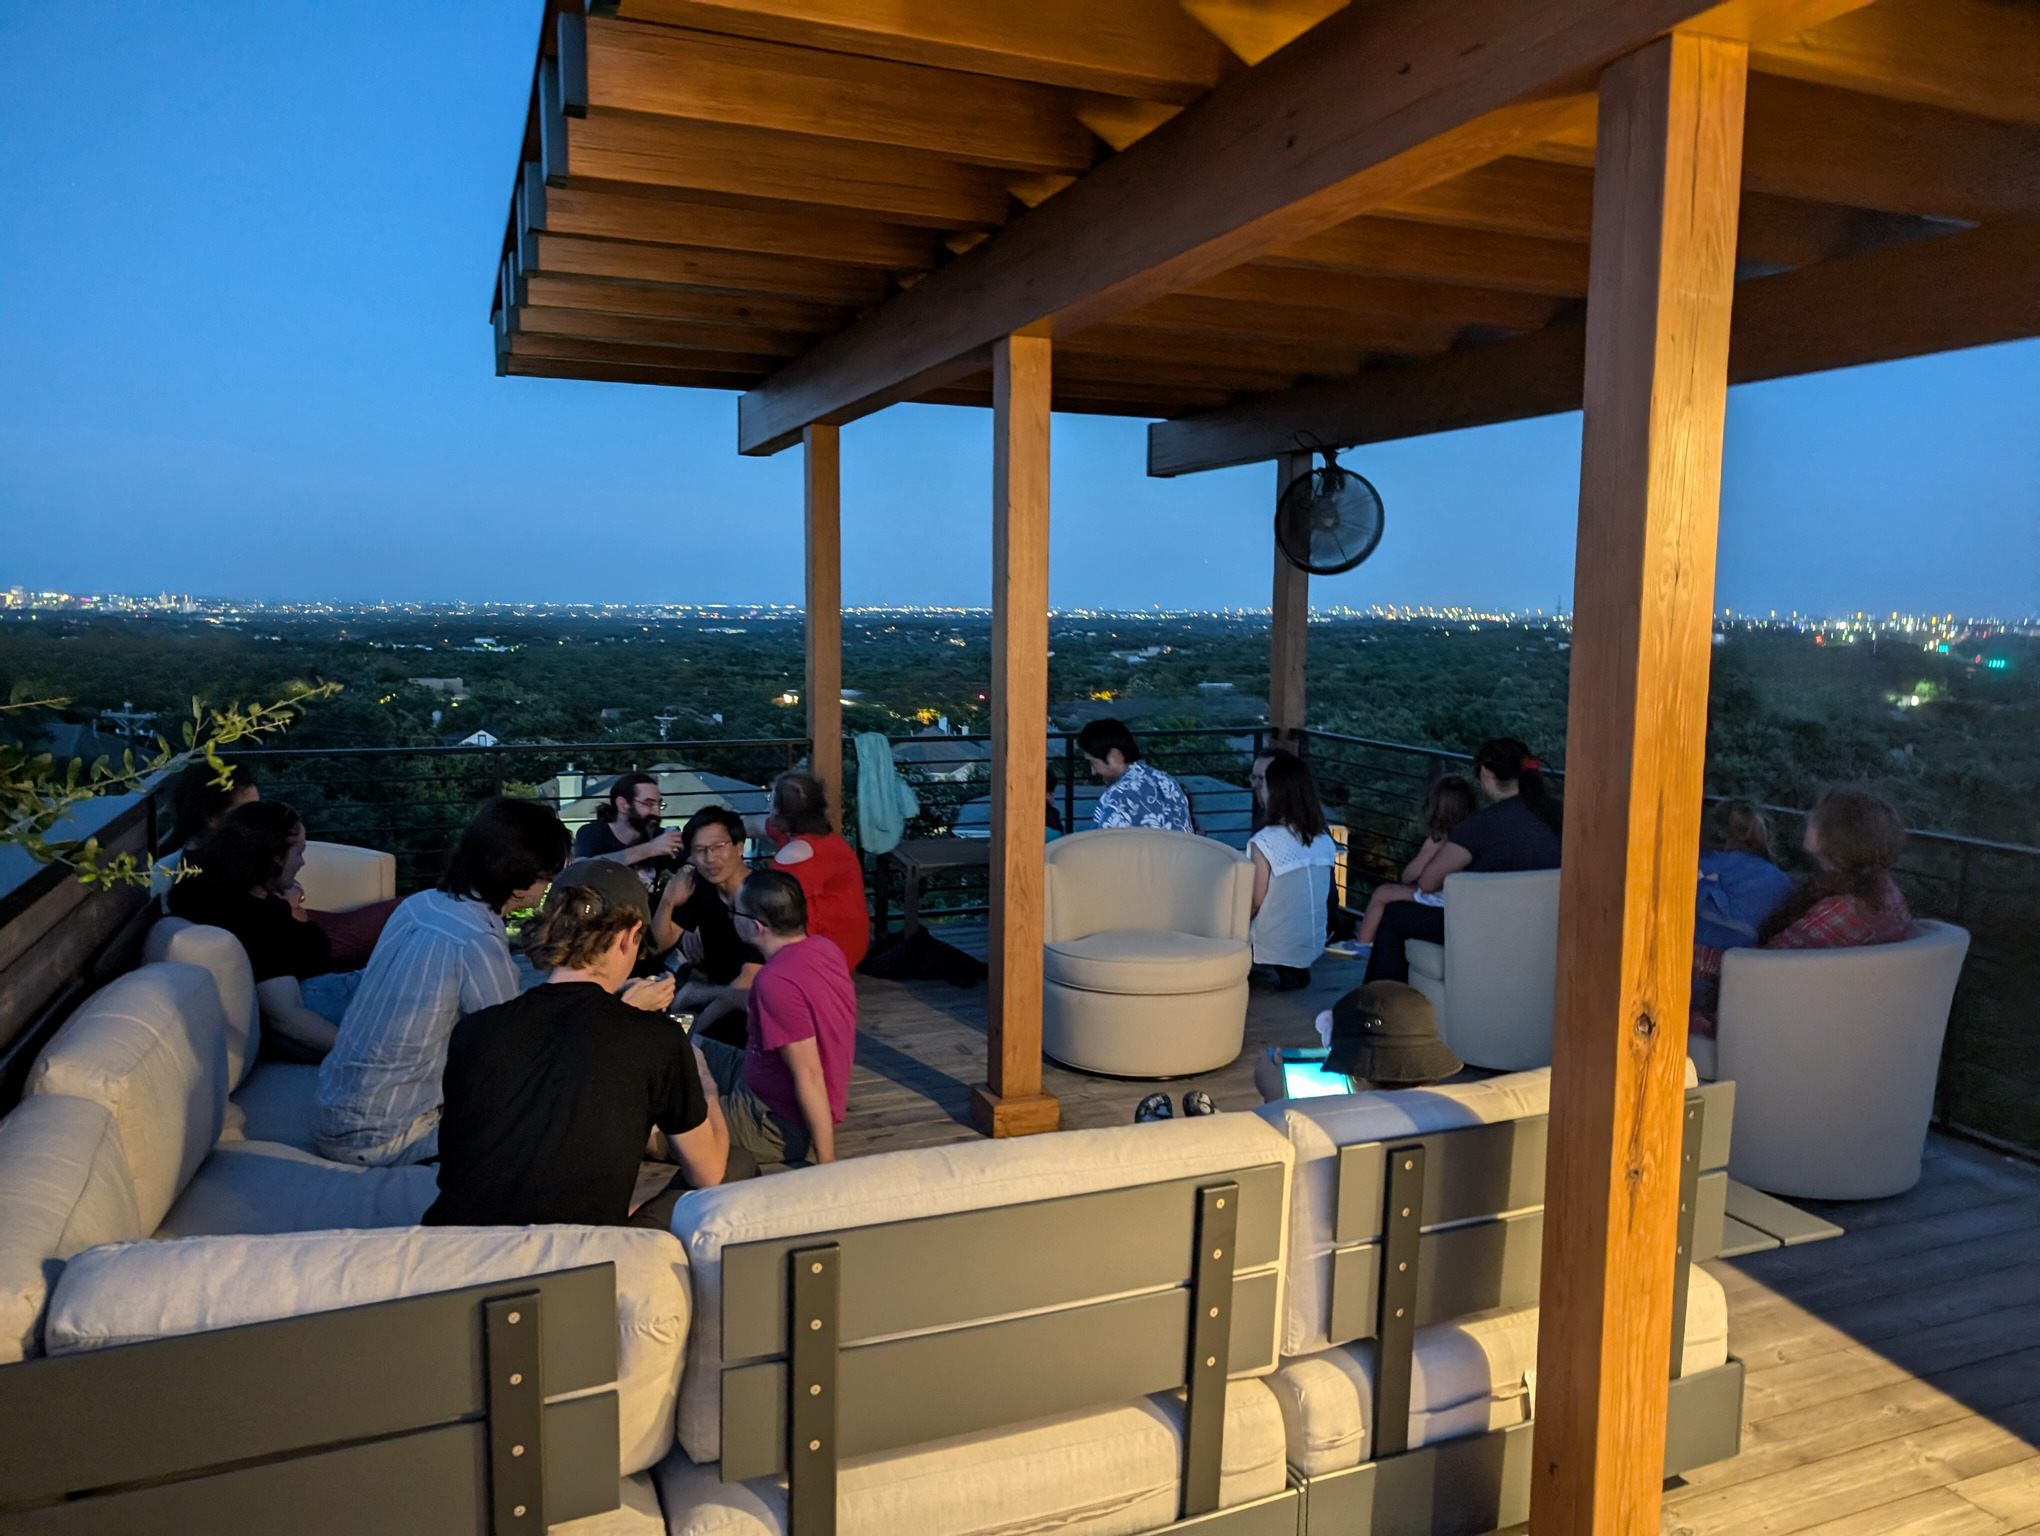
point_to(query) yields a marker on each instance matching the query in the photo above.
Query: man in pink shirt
(785, 1092)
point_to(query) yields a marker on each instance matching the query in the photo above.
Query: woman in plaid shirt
(1854, 837)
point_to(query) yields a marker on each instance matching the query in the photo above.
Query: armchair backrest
(339, 878)
(1501, 967)
(1147, 880)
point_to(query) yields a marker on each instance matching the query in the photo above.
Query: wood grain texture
(683, 335)
(1346, 293)
(1288, 621)
(1979, 56)
(1009, 1103)
(612, 213)
(1439, 253)
(822, 499)
(738, 272)
(1665, 204)
(674, 302)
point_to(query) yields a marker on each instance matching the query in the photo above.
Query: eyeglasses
(738, 914)
(722, 847)
(649, 805)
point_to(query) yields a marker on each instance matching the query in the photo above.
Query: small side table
(925, 856)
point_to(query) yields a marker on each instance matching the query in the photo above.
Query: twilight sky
(244, 287)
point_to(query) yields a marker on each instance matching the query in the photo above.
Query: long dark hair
(1512, 762)
(1293, 799)
(248, 846)
(510, 844)
(1447, 803)
(198, 801)
(1861, 837)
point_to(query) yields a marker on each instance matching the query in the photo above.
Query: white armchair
(1835, 1053)
(1146, 955)
(1494, 978)
(339, 878)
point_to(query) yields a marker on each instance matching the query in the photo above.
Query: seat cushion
(127, 1292)
(1425, 958)
(1467, 1377)
(151, 1047)
(264, 1186)
(64, 1186)
(187, 943)
(932, 1181)
(1107, 1472)
(1139, 961)
(339, 878)
(275, 1104)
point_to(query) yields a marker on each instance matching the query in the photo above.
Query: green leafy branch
(37, 792)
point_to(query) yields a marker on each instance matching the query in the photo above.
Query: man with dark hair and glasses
(786, 1091)
(694, 913)
(627, 829)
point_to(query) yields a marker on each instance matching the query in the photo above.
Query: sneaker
(1155, 1106)
(1198, 1102)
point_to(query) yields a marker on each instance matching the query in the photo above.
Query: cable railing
(413, 801)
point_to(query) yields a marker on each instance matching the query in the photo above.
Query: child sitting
(1446, 803)
(1740, 885)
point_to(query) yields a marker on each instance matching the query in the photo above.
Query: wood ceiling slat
(696, 335)
(1139, 372)
(1253, 29)
(701, 76)
(1510, 196)
(1980, 56)
(1186, 312)
(621, 373)
(1440, 253)
(1160, 349)
(662, 302)
(674, 220)
(1149, 48)
(723, 271)
(582, 348)
(784, 168)
(1256, 283)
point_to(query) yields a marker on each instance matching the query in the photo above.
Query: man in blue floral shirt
(1136, 794)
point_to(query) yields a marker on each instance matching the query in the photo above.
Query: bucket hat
(1387, 1032)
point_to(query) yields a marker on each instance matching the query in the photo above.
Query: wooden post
(1288, 619)
(824, 695)
(1012, 1103)
(1667, 176)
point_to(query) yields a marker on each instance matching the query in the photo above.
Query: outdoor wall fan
(1328, 520)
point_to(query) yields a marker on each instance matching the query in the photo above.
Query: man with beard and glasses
(626, 829)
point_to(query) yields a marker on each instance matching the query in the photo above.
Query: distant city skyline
(246, 305)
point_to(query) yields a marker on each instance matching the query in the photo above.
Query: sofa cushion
(275, 1104)
(188, 943)
(1425, 958)
(1106, 1472)
(1319, 1127)
(127, 1292)
(1467, 1377)
(264, 1186)
(64, 1186)
(930, 1181)
(151, 1047)
(1132, 960)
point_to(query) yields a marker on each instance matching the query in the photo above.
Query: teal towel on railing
(885, 803)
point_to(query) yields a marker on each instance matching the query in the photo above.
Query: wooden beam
(1458, 305)
(618, 373)
(823, 500)
(741, 365)
(610, 213)
(1440, 254)
(668, 302)
(1288, 622)
(1511, 196)
(1972, 288)
(686, 335)
(892, 184)
(1978, 56)
(1159, 349)
(1146, 48)
(745, 272)
(1388, 98)
(1192, 314)
(1254, 29)
(1012, 1103)
(698, 75)
(1665, 208)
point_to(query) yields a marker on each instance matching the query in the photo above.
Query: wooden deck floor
(1894, 1372)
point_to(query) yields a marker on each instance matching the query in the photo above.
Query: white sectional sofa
(952, 1341)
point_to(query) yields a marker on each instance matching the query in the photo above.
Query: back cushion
(151, 1047)
(339, 878)
(1317, 1128)
(64, 1186)
(931, 1181)
(1141, 878)
(128, 1292)
(187, 943)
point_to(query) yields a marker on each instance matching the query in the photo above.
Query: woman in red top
(831, 875)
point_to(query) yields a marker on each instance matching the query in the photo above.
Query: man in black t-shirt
(695, 914)
(553, 1099)
(627, 830)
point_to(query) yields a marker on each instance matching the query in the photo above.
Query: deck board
(1894, 1371)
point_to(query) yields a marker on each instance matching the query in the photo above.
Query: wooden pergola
(1255, 219)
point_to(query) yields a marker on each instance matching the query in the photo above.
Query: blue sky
(244, 284)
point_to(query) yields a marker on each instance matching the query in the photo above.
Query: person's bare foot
(1268, 1077)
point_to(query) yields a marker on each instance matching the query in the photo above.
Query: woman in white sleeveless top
(1293, 857)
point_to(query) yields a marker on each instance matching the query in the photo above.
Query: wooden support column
(1667, 174)
(1288, 620)
(1012, 1103)
(824, 692)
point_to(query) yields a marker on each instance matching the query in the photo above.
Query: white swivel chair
(339, 878)
(1146, 954)
(1835, 1053)
(1494, 978)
